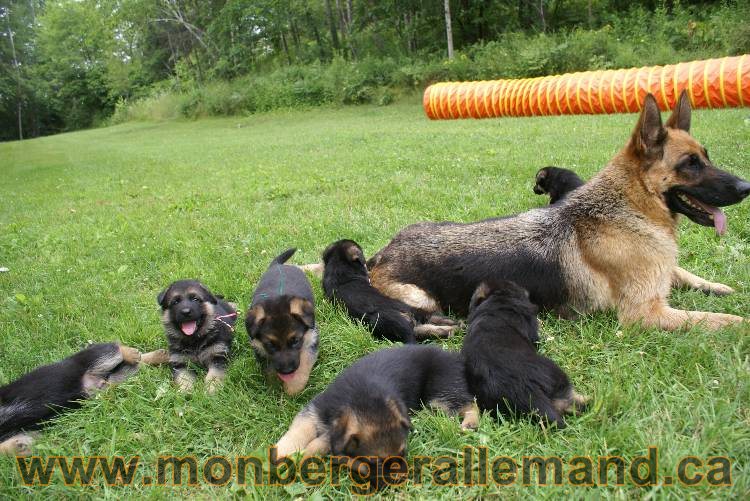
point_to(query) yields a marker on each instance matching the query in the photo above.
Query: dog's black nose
(743, 188)
(185, 311)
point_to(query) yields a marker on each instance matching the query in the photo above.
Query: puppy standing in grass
(364, 412)
(199, 328)
(556, 182)
(503, 369)
(27, 403)
(281, 324)
(345, 279)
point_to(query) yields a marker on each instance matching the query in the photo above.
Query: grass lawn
(94, 224)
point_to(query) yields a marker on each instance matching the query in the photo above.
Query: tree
(448, 30)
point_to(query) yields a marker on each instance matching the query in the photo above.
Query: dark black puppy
(199, 328)
(503, 368)
(345, 279)
(281, 324)
(363, 415)
(27, 403)
(557, 182)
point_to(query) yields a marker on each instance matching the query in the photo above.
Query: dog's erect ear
(649, 134)
(399, 414)
(254, 319)
(162, 297)
(345, 432)
(480, 294)
(303, 310)
(680, 117)
(207, 294)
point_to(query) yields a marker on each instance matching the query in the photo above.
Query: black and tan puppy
(345, 280)
(281, 324)
(30, 401)
(503, 368)
(363, 415)
(199, 328)
(556, 182)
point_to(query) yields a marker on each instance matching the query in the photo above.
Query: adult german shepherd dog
(612, 243)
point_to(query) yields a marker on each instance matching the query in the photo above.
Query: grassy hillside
(94, 224)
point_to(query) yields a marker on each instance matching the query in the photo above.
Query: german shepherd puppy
(612, 243)
(345, 279)
(199, 328)
(503, 368)
(27, 403)
(281, 324)
(363, 415)
(556, 182)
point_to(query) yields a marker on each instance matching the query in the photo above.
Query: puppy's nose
(185, 311)
(743, 188)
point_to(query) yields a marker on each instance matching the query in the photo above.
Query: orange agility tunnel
(713, 83)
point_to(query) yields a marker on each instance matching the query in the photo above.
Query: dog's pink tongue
(188, 328)
(720, 220)
(286, 377)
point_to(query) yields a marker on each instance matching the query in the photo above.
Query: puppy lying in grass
(199, 328)
(27, 403)
(503, 368)
(556, 182)
(364, 412)
(345, 280)
(281, 324)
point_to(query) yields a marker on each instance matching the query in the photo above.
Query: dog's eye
(176, 300)
(270, 348)
(193, 297)
(295, 342)
(695, 161)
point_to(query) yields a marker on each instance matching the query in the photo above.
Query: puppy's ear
(680, 117)
(302, 310)
(345, 431)
(254, 319)
(355, 255)
(161, 298)
(480, 294)
(207, 294)
(399, 413)
(649, 134)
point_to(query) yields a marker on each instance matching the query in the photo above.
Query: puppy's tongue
(286, 377)
(188, 328)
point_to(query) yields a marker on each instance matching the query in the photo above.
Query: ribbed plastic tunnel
(713, 83)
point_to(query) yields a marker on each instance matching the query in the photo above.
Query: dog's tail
(17, 415)
(284, 256)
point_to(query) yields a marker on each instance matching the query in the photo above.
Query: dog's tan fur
(621, 254)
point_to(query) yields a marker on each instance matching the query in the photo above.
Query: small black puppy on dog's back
(363, 415)
(199, 328)
(503, 368)
(28, 402)
(345, 279)
(557, 182)
(281, 324)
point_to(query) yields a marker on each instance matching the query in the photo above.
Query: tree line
(65, 64)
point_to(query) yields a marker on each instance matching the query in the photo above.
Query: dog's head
(277, 329)
(347, 254)
(187, 306)
(544, 176)
(676, 167)
(556, 181)
(371, 437)
(508, 298)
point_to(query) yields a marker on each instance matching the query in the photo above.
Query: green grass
(94, 224)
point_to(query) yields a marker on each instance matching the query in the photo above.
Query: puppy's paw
(214, 381)
(717, 289)
(156, 357)
(715, 321)
(184, 382)
(130, 355)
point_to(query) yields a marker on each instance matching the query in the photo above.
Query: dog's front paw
(184, 382)
(130, 355)
(718, 289)
(20, 445)
(715, 321)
